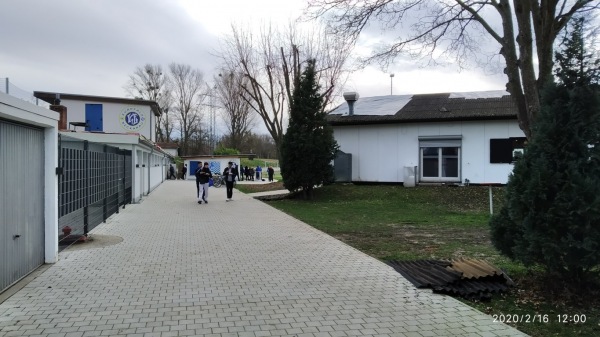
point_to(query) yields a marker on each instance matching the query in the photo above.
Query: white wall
(380, 152)
(156, 171)
(14, 109)
(111, 115)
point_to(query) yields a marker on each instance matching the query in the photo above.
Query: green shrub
(552, 213)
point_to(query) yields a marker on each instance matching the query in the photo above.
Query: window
(440, 158)
(506, 150)
(440, 164)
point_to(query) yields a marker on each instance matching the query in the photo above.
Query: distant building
(428, 138)
(170, 148)
(106, 114)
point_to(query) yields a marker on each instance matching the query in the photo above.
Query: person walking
(184, 171)
(172, 172)
(197, 173)
(270, 172)
(204, 177)
(258, 170)
(230, 173)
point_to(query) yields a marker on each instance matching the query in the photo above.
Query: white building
(106, 114)
(429, 138)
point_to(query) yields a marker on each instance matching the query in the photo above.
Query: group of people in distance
(230, 174)
(250, 173)
(203, 175)
(172, 174)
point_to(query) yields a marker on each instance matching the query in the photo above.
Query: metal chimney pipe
(350, 98)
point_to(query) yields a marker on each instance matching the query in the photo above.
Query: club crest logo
(132, 119)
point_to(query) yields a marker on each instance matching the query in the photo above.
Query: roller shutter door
(21, 201)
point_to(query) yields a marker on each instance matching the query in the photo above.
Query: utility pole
(213, 120)
(391, 84)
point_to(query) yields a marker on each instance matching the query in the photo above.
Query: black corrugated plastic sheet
(468, 278)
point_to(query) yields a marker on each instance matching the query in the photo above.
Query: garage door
(21, 201)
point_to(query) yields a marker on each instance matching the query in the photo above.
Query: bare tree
(189, 91)
(456, 27)
(149, 83)
(271, 61)
(237, 115)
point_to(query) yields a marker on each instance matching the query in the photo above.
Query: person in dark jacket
(184, 171)
(203, 175)
(230, 173)
(197, 174)
(172, 172)
(270, 172)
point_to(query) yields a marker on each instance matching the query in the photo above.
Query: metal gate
(21, 201)
(94, 181)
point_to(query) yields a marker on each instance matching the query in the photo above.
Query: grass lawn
(397, 223)
(262, 162)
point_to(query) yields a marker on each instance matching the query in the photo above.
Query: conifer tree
(552, 212)
(308, 146)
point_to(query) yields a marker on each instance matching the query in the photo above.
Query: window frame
(440, 142)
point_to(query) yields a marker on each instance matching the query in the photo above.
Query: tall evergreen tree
(552, 213)
(308, 146)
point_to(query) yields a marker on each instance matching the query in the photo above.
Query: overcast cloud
(91, 47)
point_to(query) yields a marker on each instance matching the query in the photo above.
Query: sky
(90, 47)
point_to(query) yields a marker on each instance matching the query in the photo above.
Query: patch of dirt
(470, 198)
(426, 241)
(263, 187)
(540, 288)
(96, 241)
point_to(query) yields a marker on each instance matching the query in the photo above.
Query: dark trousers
(229, 185)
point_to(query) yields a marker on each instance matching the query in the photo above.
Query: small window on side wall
(507, 150)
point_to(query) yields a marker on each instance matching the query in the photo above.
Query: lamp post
(213, 113)
(391, 84)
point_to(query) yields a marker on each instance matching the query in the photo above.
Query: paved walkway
(236, 268)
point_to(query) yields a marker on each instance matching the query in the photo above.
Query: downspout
(150, 168)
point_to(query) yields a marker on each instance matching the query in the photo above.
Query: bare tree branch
(456, 28)
(149, 83)
(189, 91)
(237, 113)
(271, 61)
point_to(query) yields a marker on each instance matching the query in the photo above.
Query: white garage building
(428, 138)
(28, 188)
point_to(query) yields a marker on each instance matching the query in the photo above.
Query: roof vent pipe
(351, 97)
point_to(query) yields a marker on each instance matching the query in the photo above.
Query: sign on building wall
(215, 167)
(132, 119)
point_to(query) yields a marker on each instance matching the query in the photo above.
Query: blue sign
(132, 119)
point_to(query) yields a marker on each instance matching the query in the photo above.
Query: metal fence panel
(92, 186)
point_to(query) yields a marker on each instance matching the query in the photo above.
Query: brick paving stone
(237, 268)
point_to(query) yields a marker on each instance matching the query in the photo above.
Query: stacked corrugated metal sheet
(468, 278)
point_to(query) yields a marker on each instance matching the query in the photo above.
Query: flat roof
(49, 97)
(466, 106)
